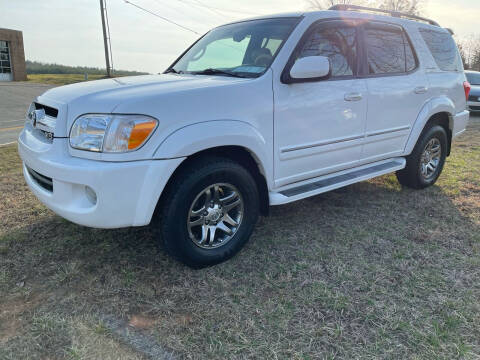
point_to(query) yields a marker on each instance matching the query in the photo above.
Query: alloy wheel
(215, 215)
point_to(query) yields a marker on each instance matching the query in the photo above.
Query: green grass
(365, 272)
(61, 79)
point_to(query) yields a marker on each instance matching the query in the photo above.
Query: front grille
(49, 111)
(42, 180)
(475, 108)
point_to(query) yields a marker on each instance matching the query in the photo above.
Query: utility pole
(106, 38)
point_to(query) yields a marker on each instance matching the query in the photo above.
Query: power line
(199, 3)
(162, 17)
(183, 4)
(207, 7)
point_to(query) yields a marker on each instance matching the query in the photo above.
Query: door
(5, 65)
(397, 90)
(319, 125)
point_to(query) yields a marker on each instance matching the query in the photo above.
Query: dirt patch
(142, 322)
(11, 312)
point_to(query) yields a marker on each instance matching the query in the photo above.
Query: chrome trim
(323, 143)
(382, 132)
(40, 120)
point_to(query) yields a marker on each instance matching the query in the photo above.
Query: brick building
(12, 56)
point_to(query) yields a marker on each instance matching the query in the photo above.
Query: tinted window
(410, 62)
(339, 44)
(388, 51)
(443, 48)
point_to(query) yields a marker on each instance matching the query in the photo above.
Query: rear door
(397, 90)
(445, 73)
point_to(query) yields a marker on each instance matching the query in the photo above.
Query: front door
(319, 126)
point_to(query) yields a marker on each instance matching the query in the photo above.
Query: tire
(414, 175)
(188, 194)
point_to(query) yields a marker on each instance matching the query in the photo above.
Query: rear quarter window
(443, 49)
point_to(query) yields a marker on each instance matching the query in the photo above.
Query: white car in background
(256, 113)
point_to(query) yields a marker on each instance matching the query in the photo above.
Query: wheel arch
(239, 154)
(437, 111)
(233, 139)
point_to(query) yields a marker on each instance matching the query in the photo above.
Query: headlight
(111, 133)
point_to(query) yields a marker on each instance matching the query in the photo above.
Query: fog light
(91, 195)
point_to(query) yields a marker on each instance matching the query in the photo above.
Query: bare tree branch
(469, 48)
(325, 4)
(413, 7)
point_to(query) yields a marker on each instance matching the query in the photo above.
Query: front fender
(201, 136)
(441, 104)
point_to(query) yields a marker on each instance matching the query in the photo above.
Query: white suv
(255, 113)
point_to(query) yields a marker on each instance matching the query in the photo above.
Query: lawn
(368, 271)
(61, 79)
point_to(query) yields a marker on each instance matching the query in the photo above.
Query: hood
(117, 89)
(117, 94)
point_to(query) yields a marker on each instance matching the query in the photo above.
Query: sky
(70, 32)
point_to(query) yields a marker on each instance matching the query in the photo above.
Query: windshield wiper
(172, 70)
(211, 71)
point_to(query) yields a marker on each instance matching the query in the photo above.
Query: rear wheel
(208, 212)
(425, 163)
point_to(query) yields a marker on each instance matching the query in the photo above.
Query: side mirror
(310, 68)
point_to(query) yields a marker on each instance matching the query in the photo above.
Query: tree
(469, 47)
(463, 55)
(476, 60)
(325, 4)
(413, 7)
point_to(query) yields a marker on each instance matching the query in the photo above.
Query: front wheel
(208, 212)
(425, 163)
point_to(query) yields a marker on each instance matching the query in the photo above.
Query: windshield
(243, 49)
(473, 78)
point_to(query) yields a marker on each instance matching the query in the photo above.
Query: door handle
(421, 90)
(353, 97)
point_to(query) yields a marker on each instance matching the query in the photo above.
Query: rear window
(388, 50)
(443, 49)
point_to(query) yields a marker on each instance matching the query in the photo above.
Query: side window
(271, 44)
(388, 50)
(443, 49)
(339, 44)
(410, 63)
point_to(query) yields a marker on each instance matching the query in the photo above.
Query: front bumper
(126, 192)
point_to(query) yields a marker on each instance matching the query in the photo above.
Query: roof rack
(399, 14)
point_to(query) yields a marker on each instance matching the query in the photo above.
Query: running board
(337, 180)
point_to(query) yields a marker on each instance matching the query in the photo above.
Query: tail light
(466, 87)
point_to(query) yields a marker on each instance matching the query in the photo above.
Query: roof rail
(346, 7)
